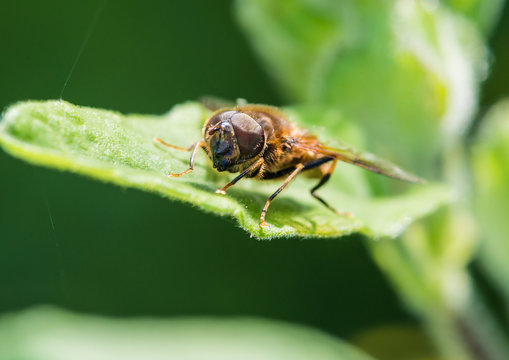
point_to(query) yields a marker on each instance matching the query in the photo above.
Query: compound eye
(218, 121)
(249, 135)
(222, 148)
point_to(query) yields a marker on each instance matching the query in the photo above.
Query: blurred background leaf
(490, 166)
(406, 72)
(47, 333)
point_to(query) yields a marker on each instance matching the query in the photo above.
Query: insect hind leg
(322, 182)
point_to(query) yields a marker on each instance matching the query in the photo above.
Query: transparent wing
(364, 160)
(214, 103)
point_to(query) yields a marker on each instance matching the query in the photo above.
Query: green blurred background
(96, 248)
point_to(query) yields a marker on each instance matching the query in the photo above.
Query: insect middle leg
(290, 177)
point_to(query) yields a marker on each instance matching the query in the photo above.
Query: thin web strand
(84, 43)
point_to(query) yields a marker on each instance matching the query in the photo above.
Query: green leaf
(405, 71)
(112, 147)
(490, 162)
(48, 333)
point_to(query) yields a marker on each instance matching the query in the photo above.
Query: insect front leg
(250, 169)
(195, 147)
(157, 140)
(290, 177)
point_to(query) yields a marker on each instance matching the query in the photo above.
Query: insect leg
(251, 168)
(157, 140)
(290, 177)
(322, 182)
(199, 144)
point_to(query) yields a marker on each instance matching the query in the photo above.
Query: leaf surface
(116, 148)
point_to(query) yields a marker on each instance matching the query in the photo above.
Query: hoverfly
(260, 142)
